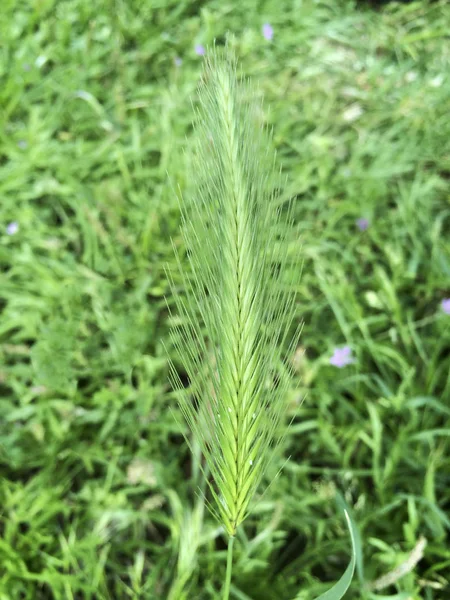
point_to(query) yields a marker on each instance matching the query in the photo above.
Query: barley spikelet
(237, 313)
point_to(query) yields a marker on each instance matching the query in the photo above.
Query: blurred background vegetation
(98, 490)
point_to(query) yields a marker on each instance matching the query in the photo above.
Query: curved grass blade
(341, 586)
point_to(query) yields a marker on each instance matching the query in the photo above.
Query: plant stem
(226, 587)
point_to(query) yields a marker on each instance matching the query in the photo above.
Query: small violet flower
(177, 61)
(362, 224)
(267, 31)
(446, 305)
(342, 357)
(12, 228)
(200, 50)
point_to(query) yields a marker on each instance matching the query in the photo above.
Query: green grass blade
(341, 586)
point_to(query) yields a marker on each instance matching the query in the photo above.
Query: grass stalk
(227, 584)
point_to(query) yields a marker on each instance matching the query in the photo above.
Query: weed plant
(98, 488)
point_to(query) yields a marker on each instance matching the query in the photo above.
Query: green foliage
(52, 355)
(98, 490)
(339, 589)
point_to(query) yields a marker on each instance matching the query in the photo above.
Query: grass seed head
(239, 307)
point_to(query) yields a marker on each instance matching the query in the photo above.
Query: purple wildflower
(177, 61)
(22, 144)
(12, 228)
(446, 305)
(362, 224)
(267, 31)
(200, 50)
(342, 357)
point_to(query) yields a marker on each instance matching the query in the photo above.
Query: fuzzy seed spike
(239, 307)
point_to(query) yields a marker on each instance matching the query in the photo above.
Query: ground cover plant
(98, 496)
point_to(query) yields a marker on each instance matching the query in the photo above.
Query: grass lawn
(98, 488)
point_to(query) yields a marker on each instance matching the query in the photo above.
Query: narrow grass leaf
(341, 586)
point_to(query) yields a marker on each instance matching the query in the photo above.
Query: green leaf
(340, 587)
